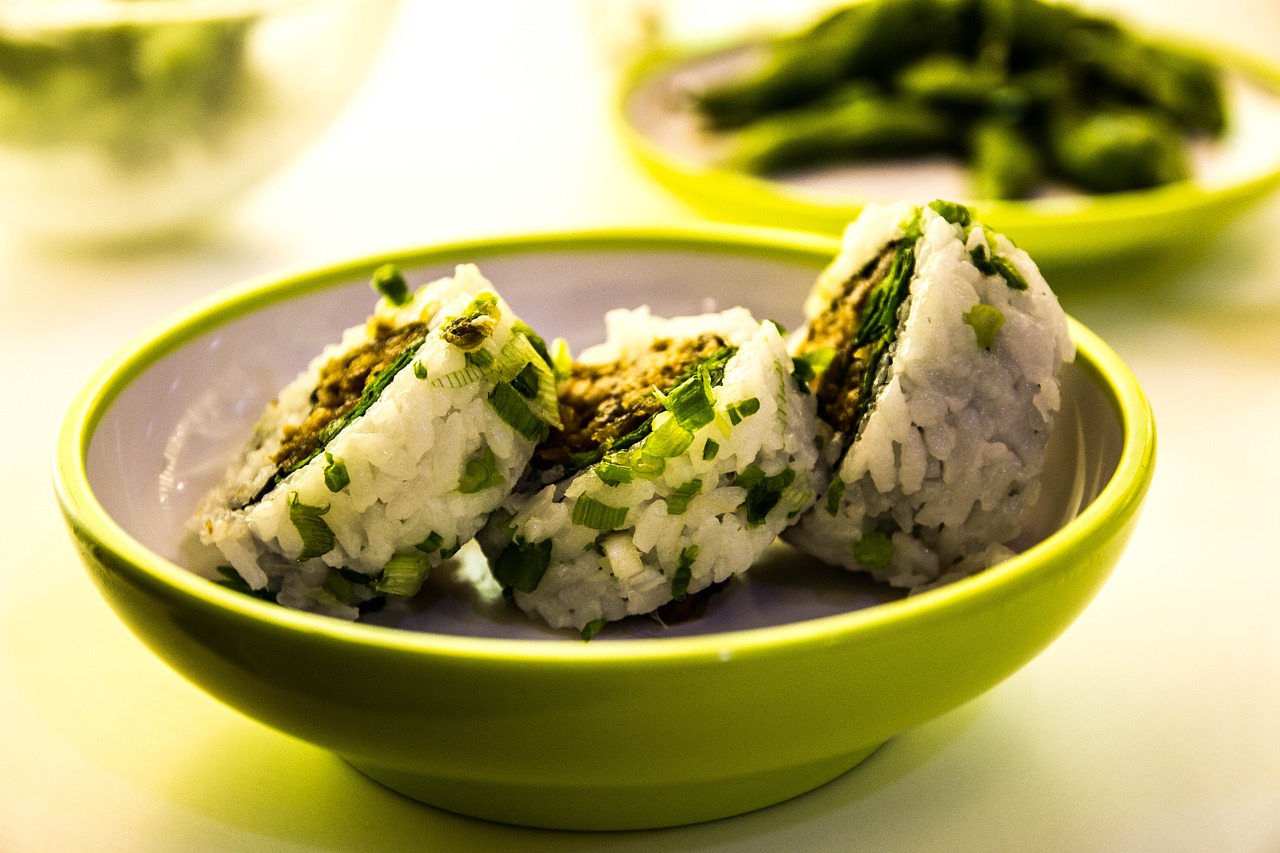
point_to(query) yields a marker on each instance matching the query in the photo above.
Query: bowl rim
(92, 525)
(729, 188)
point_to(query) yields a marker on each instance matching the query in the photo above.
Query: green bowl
(659, 127)
(796, 673)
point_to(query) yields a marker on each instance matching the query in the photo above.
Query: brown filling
(838, 389)
(600, 403)
(342, 382)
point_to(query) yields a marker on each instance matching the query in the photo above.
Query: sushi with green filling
(388, 452)
(687, 445)
(936, 348)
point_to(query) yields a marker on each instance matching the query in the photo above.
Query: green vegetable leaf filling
(874, 550)
(521, 565)
(317, 538)
(986, 321)
(710, 449)
(336, 477)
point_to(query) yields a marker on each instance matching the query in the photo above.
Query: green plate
(795, 674)
(660, 128)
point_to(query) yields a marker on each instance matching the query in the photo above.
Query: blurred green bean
(860, 124)
(1117, 150)
(1004, 161)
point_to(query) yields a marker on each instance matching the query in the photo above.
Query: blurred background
(1151, 725)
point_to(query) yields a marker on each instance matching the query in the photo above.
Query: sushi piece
(687, 445)
(388, 452)
(937, 349)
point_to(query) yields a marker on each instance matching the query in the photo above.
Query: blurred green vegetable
(130, 91)
(856, 124)
(1023, 88)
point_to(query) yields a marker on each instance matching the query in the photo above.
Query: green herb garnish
(835, 492)
(515, 412)
(592, 628)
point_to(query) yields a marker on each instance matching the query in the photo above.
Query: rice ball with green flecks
(388, 452)
(936, 348)
(687, 445)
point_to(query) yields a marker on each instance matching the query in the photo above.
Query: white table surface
(1153, 724)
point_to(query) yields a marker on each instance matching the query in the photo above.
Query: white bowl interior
(169, 434)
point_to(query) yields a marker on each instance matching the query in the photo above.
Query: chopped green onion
(526, 381)
(678, 502)
(317, 538)
(431, 543)
(337, 585)
(1009, 272)
(336, 477)
(389, 281)
(645, 465)
(521, 565)
(403, 575)
(763, 493)
(589, 512)
(710, 449)
(835, 492)
(744, 409)
(986, 321)
(803, 372)
(684, 573)
(668, 438)
(419, 370)
(561, 358)
(480, 358)
(874, 550)
(515, 412)
(692, 402)
(614, 474)
(520, 327)
(481, 472)
(956, 214)
(592, 628)
(233, 580)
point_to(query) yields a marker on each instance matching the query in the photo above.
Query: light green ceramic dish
(661, 131)
(795, 674)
